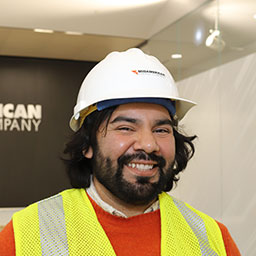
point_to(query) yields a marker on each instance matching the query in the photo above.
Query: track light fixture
(214, 40)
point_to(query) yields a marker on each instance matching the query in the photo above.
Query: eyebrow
(165, 121)
(124, 119)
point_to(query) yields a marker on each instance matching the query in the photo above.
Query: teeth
(143, 167)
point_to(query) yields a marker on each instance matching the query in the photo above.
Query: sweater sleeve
(229, 243)
(7, 243)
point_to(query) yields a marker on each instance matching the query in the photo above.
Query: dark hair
(79, 168)
(184, 151)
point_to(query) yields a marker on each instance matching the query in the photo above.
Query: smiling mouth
(141, 167)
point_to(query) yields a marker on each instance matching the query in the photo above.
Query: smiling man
(134, 157)
(125, 154)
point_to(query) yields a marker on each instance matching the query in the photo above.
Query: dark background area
(30, 165)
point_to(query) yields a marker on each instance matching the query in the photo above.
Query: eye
(162, 131)
(125, 129)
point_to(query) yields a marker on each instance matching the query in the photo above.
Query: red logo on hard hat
(147, 72)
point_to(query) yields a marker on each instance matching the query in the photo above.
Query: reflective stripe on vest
(66, 224)
(197, 225)
(52, 227)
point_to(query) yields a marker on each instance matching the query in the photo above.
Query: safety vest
(66, 224)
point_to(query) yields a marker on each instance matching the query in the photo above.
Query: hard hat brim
(182, 107)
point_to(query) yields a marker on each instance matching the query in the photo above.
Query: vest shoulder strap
(26, 230)
(84, 231)
(64, 224)
(186, 231)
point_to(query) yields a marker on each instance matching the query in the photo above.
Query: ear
(89, 153)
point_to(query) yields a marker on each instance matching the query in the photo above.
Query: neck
(128, 209)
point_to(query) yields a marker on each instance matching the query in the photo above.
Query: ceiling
(188, 35)
(159, 27)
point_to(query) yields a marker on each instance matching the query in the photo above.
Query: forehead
(141, 111)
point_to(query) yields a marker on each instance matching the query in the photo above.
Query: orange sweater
(138, 235)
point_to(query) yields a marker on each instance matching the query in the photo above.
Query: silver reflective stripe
(52, 226)
(197, 225)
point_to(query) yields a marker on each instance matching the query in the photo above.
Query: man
(126, 152)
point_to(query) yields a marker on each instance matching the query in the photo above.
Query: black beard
(141, 192)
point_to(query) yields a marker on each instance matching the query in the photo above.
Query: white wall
(221, 178)
(6, 215)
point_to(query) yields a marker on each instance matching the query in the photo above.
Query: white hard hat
(123, 76)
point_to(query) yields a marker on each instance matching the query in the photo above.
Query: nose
(146, 141)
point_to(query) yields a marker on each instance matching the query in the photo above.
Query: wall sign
(37, 97)
(20, 117)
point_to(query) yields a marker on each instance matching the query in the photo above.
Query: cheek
(114, 146)
(168, 149)
(121, 145)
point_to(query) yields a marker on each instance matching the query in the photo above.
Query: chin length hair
(79, 168)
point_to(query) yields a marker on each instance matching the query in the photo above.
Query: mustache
(127, 158)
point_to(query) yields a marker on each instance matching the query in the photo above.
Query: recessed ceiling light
(128, 2)
(254, 16)
(198, 37)
(176, 56)
(40, 30)
(73, 33)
